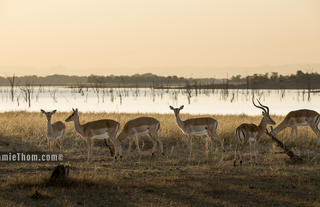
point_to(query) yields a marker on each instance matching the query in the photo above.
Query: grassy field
(173, 180)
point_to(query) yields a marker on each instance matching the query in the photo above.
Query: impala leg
(111, 146)
(115, 148)
(91, 148)
(240, 153)
(190, 145)
(154, 143)
(212, 147)
(208, 148)
(250, 149)
(49, 148)
(118, 147)
(59, 143)
(155, 135)
(235, 155)
(88, 149)
(136, 140)
(130, 145)
(255, 152)
(160, 143)
(52, 145)
(210, 136)
(56, 143)
(216, 136)
(293, 130)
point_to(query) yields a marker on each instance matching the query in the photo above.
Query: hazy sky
(183, 37)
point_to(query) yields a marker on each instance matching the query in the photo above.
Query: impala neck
(262, 126)
(78, 126)
(179, 122)
(122, 136)
(280, 127)
(49, 126)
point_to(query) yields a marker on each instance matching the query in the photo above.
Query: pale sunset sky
(192, 38)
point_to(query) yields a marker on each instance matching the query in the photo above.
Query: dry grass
(205, 180)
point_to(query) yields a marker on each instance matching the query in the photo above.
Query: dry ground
(173, 180)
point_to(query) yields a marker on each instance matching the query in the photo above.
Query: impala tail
(317, 120)
(240, 135)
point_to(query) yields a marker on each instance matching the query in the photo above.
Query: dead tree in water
(188, 92)
(12, 84)
(27, 90)
(293, 157)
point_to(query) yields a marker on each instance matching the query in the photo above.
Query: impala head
(176, 110)
(48, 114)
(110, 147)
(265, 112)
(122, 136)
(73, 116)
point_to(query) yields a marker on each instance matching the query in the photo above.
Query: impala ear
(181, 107)
(171, 107)
(76, 109)
(42, 111)
(54, 111)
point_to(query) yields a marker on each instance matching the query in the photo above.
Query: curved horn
(258, 106)
(263, 106)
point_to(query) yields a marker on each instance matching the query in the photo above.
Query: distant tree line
(273, 80)
(139, 80)
(57, 80)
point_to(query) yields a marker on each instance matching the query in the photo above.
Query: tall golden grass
(30, 128)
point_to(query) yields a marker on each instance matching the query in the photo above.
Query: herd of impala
(245, 133)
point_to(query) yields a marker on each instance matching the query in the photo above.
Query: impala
(99, 129)
(141, 126)
(197, 127)
(55, 131)
(303, 117)
(251, 133)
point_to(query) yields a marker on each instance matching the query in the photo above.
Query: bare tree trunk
(27, 90)
(293, 157)
(12, 84)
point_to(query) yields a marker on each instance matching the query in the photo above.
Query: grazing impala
(141, 126)
(99, 129)
(251, 133)
(197, 127)
(55, 131)
(303, 117)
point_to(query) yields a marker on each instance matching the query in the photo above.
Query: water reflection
(197, 101)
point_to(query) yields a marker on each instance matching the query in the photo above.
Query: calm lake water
(147, 100)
